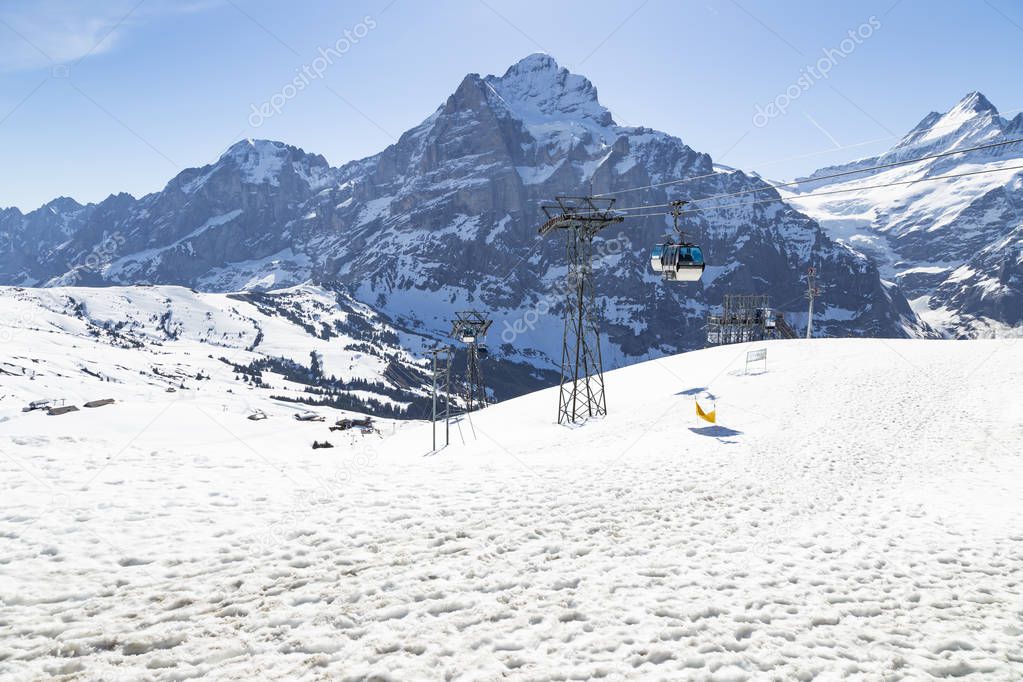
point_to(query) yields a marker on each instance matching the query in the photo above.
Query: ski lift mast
(582, 374)
(470, 327)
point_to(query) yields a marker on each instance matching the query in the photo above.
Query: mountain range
(955, 247)
(446, 219)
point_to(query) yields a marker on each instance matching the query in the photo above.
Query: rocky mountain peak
(62, 205)
(249, 146)
(260, 158)
(972, 119)
(538, 61)
(974, 102)
(1015, 126)
(971, 122)
(259, 162)
(539, 92)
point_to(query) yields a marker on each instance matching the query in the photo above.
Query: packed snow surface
(855, 513)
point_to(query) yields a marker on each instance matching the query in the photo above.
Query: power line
(863, 143)
(830, 176)
(834, 191)
(790, 158)
(882, 166)
(657, 184)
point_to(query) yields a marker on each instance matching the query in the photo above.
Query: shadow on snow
(719, 432)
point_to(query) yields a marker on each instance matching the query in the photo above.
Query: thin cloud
(37, 34)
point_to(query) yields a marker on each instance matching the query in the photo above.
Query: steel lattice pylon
(746, 317)
(582, 373)
(470, 327)
(441, 391)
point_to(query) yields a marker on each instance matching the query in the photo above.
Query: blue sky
(120, 95)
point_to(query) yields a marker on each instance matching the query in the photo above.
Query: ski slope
(855, 514)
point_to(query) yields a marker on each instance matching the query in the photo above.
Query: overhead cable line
(834, 191)
(830, 176)
(680, 181)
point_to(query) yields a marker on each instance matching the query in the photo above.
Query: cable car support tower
(441, 393)
(470, 327)
(812, 292)
(582, 373)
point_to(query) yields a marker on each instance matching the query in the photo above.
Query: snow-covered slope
(163, 543)
(302, 344)
(954, 247)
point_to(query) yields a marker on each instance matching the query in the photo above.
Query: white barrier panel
(759, 355)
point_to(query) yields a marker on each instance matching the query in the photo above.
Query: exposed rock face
(987, 291)
(446, 219)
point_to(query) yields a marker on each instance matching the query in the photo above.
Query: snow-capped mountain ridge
(971, 115)
(545, 97)
(445, 219)
(953, 247)
(265, 162)
(971, 122)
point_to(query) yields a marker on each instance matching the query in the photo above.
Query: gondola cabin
(678, 262)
